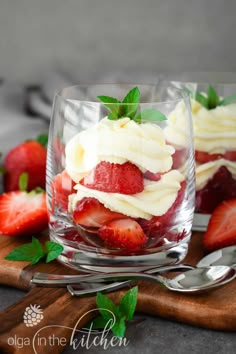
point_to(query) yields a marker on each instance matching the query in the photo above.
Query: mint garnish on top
(211, 100)
(129, 107)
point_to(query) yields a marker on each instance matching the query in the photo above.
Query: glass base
(87, 258)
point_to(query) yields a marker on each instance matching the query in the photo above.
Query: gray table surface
(152, 335)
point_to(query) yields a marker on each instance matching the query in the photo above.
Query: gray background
(93, 37)
(89, 39)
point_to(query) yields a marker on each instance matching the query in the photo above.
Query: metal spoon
(58, 280)
(225, 256)
(192, 281)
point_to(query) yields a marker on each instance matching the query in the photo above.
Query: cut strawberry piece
(153, 176)
(123, 233)
(22, 213)
(62, 186)
(221, 230)
(90, 212)
(29, 157)
(109, 177)
(204, 157)
(158, 224)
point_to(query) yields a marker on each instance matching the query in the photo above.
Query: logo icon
(33, 315)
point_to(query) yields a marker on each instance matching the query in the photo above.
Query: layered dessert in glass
(120, 188)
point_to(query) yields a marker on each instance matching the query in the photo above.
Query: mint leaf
(112, 104)
(53, 250)
(42, 139)
(106, 307)
(97, 323)
(23, 181)
(197, 96)
(128, 303)
(150, 115)
(213, 98)
(130, 103)
(228, 100)
(119, 327)
(32, 252)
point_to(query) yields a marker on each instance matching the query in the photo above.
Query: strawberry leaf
(213, 98)
(32, 252)
(23, 181)
(128, 303)
(53, 250)
(228, 100)
(42, 139)
(2, 170)
(150, 115)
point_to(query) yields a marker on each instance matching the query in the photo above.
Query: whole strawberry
(29, 157)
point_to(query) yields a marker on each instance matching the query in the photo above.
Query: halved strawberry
(123, 233)
(109, 177)
(29, 157)
(203, 157)
(90, 212)
(22, 213)
(61, 187)
(221, 230)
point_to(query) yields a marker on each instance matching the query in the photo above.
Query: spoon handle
(57, 280)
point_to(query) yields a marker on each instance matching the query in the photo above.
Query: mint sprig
(129, 107)
(34, 252)
(211, 100)
(109, 311)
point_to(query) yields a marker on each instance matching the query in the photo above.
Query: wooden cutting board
(214, 310)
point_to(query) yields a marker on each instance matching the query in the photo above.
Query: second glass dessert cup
(120, 176)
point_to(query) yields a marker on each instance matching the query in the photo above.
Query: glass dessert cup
(120, 176)
(213, 100)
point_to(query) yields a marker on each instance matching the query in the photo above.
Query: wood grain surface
(214, 310)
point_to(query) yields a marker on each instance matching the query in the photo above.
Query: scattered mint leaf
(119, 327)
(23, 181)
(34, 252)
(104, 303)
(42, 139)
(213, 98)
(201, 99)
(228, 100)
(128, 303)
(109, 311)
(53, 250)
(150, 115)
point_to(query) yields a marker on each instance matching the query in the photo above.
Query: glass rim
(185, 78)
(183, 93)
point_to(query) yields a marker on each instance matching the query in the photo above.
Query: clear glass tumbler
(213, 100)
(120, 176)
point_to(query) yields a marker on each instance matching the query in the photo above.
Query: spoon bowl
(225, 256)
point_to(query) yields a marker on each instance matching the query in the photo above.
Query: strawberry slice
(62, 186)
(158, 224)
(22, 213)
(90, 212)
(203, 157)
(29, 157)
(109, 177)
(221, 230)
(123, 233)
(153, 176)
